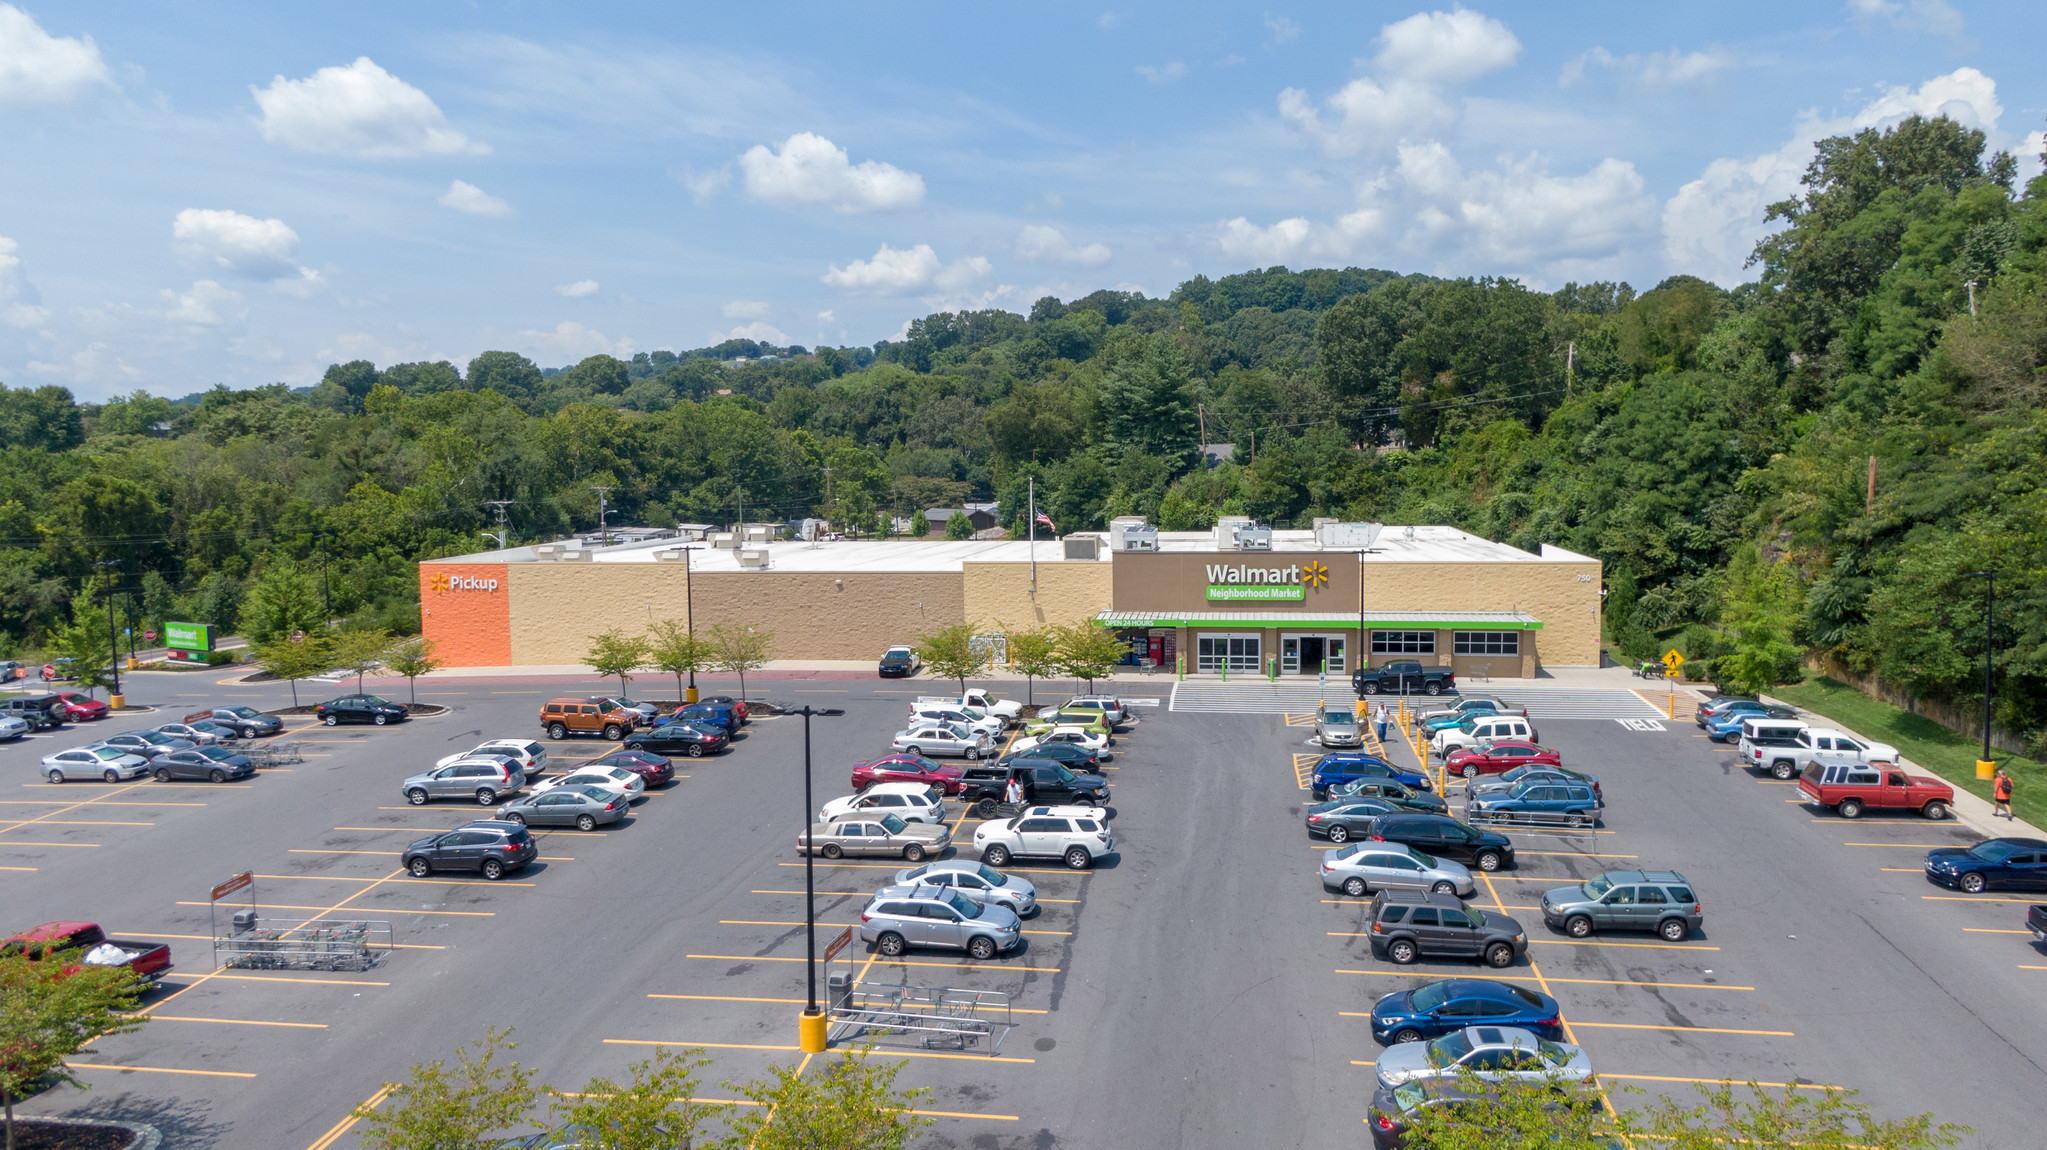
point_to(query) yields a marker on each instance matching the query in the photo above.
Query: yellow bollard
(1986, 768)
(116, 702)
(810, 1032)
(690, 695)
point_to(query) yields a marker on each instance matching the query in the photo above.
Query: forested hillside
(1711, 446)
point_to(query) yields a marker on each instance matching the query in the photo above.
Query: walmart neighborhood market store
(1239, 598)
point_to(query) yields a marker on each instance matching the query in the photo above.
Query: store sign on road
(188, 636)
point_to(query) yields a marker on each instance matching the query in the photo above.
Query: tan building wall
(1563, 594)
(1178, 580)
(998, 594)
(558, 607)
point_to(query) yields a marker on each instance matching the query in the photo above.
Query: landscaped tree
(847, 1104)
(617, 653)
(948, 652)
(657, 1110)
(413, 658)
(740, 649)
(1034, 652)
(470, 1106)
(360, 652)
(1087, 652)
(51, 1007)
(284, 600)
(295, 659)
(958, 526)
(1770, 1119)
(671, 648)
(88, 640)
(1549, 1113)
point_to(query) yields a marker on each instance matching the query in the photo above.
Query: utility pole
(827, 497)
(503, 533)
(603, 528)
(1202, 416)
(1570, 365)
(1869, 504)
(1986, 766)
(1971, 285)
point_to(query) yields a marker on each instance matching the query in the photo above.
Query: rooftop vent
(1082, 546)
(1226, 527)
(1252, 537)
(752, 558)
(1332, 533)
(1132, 533)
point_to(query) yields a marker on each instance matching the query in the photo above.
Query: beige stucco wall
(557, 608)
(998, 594)
(1564, 594)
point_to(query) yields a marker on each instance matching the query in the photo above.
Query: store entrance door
(1311, 654)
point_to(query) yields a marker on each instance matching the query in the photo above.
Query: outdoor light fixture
(810, 1025)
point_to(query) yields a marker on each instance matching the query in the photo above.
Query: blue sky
(241, 193)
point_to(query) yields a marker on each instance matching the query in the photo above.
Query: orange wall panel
(466, 609)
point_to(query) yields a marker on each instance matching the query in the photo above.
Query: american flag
(1046, 520)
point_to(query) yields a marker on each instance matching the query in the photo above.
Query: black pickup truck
(1403, 678)
(1044, 781)
(2036, 921)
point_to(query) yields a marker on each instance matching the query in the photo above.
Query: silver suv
(485, 780)
(1658, 900)
(936, 916)
(1338, 727)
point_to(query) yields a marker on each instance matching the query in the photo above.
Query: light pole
(114, 698)
(689, 599)
(810, 1027)
(1985, 766)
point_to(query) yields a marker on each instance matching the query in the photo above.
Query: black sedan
(360, 709)
(148, 744)
(196, 763)
(683, 738)
(1346, 819)
(2008, 863)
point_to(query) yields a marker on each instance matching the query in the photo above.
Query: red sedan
(908, 769)
(1497, 757)
(79, 708)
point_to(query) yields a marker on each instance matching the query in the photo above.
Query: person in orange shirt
(2000, 790)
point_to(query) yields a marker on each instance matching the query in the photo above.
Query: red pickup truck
(149, 960)
(1851, 788)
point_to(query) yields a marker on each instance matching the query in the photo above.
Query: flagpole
(1034, 538)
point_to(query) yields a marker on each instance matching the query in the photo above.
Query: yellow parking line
(1901, 869)
(156, 1070)
(755, 1046)
(896, 961)
(346, 1124)
(1717, 1081)
(1990, 930)
(1575, 855)
(1972, 898)
(2033, 968)
(1911, 846)
(1636, 945)
(100, 803)
(1686, 1029)
(435, 830)
(1574, 981)
(239, 1022)
(209, 938)
(379, 910)
(33, 843)
(20, 868)
(72, 823)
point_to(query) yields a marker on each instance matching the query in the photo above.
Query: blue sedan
(2019, 864)
(1438, 1008)
(1336, 769)
(1725, 726)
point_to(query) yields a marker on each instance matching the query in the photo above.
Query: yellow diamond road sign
(1672, 660)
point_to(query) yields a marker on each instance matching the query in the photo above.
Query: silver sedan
(1361, 868)
(940, 739)
(1338, 728)
(585, 808)
(97, 762)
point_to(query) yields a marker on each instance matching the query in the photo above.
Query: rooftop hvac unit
(1251, 537)
(1132, 533)
(1226, 531)
(752, 558)
(575, 555)
(671, 555)
(1331, 533)
(1082, 546)
(725, 540)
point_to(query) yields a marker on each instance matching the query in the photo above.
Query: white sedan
(531, 756)
(1074, 736)
(12, 727)
(611, 778)
(110, 763)
(910, 802)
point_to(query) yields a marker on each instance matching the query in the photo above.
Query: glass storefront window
(1403, 642)
(1486, 643)
(1238, 652)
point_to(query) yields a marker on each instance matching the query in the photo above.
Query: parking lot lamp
(689, 613)
(810, 1027)
(115, 700)
(1985, 766)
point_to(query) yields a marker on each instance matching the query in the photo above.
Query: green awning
(1329, 620)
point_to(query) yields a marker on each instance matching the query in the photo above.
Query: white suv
(910, 802)
(1484, 730)
(956, 717)
(532, 757)
(1077, 839)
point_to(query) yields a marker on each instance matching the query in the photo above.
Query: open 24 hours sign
(1231, 583)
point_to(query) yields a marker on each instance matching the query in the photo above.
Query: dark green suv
(1656, 900)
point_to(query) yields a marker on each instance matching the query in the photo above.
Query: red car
(908, 769)
(1496, 757)
(81, 707)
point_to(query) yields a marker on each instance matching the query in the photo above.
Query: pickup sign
(149, 960)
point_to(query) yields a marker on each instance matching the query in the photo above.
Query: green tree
(656, 1110)
(1767, 1119)
(88, 639)
(958, 526)
(412, 658)
(360, 651)
(51, 1007)
(1035, 653)
(295, 659)
(740, 649)
(948, 652)
(673, 649)
(1760, 612)
(1087, 652)
(1144, 404)
(283, 600)
(469, 1106)
(617, 653)
(1550, 1113)
(849, 1103)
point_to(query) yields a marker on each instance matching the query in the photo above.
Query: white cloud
(38, 68)
(760, 331)
(1108, 20)
(1284, 31)
(1712, 224)
(244, 245)
(703, 185)
(1654, 69)
(1162, 74)
(825, 316)
(18, 299)
(578, 290)
(745, 309)
(464, 196)
(1039, 242)
(1936, 16)
(573, 341)
(810, 169)
(1445, 47)
(889, 270)
(207, 304)
(1369, 115)
(303, 285)
(360, 111)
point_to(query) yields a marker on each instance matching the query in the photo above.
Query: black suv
(1044, 781)
(1412, 924)
(38, 711)
(360, 709)
(1445, 837)
(492, 846)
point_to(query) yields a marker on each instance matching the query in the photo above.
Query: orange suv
(564, 717)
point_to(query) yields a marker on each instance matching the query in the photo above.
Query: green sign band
(1266, 592)
(188, 636)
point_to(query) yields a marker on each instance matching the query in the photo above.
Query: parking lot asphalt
(1198, 989)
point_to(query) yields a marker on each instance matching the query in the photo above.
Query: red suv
(908, 769)
(1498, 757)
(82, 707)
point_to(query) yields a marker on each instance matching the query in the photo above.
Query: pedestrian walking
(2000, 790)
(1380, 719)
(1013, 794)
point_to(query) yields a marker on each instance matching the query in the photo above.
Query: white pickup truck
(1005, 709)
(1786, 753)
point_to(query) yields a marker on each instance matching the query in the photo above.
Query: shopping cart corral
(274, 754)
(933, 1017)
(316, 944)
